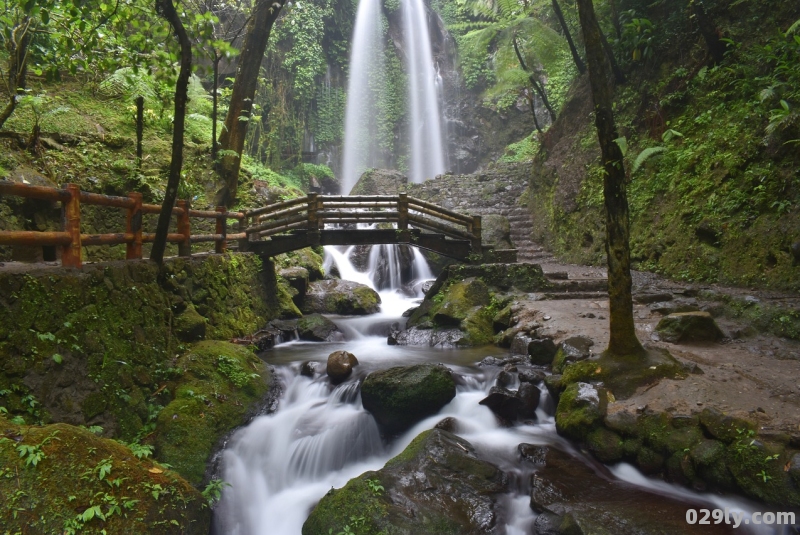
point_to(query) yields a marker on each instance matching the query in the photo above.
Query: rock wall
(93, 347)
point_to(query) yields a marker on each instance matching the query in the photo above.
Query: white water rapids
(281, 465)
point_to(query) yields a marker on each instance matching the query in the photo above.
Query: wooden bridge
(332, 220)
(267, 231)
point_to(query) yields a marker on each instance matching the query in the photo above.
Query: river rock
(584, 502)
(338, 296)
(581, 408)
(685, 327)
(309, 368)
(512, 406)
(318, 328)
(417, 336)
(459, 301)
(542, 351)
(532, 453)
(380, 182)
(573, 349)
(340, 365)
(436, 485)
(402, 396)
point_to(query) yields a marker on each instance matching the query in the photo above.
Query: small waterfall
(426, 145)
(364, 88)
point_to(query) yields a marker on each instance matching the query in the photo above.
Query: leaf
(793, 28)
(622, 143)
(644, 155)
(58, 359)
(155, 470)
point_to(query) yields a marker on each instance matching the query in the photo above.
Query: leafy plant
(213, 491)
(232, 369)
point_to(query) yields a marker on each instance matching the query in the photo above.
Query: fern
(793, 28)
(645, 155)
(127, 84)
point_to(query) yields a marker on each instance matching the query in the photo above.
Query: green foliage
(521, 151)
(213, 491)
(329, 118)
(232, 369)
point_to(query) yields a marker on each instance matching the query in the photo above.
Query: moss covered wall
(93, 347)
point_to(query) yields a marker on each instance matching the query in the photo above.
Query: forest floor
(752, 374)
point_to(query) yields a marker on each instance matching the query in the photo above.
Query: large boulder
(436, 485)
(459, 301)
(340, 297)
(340, 365)
(511, 406)
(496, 231)
(685, 327)
(380, 182)
(571, 498)
(318, 328)
(402, 396)
(189, 325)
(581, 409)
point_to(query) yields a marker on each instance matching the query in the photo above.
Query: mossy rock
(340, 297)
(622, 375)
(477, 328)
(496, 231)
(437, 486)
(458, 302)
(683, 327)
(605, 445)
(505, 277)
(306, 258)
(724, 427)
(219, 382)
(580, 410)
(316, 328)
(379, 182)
(401, 396)
(89, 484)
(189, 325)
(758, 468)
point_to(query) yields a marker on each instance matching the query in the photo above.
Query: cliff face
(714, 186)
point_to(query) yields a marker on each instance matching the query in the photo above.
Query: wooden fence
(71, 241)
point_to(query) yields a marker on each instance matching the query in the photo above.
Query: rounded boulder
(340, 365)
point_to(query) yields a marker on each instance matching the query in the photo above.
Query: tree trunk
(139, 130)
(244, 90)
(709, 31)
(167, 10)
(215, 107)
(537, 86)
(20, 38)
(619, 76)
(575, 56)
(622, 339)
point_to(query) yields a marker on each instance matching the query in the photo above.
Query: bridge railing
(71, 240)
(314, 211)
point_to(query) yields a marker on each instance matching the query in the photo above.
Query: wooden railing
(71, 240)
(314, 211)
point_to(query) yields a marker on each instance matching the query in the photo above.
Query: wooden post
(185, 228)
(71, 224)
(313, 206)
(476, 235)
(244, 243)
(134, 226)
(222, 228)
(402, 212)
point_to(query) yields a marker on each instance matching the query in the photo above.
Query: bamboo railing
(71, 240)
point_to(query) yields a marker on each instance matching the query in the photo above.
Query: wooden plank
(269, 225)
(156, 209)
(282, 213)
(97, 199)
(107, 239)
(171, 238)
(333, 215)
(283, 228)
(32, 237)
(430, 224)
(276, 206)
(33, 192)
(71, 224)
(363, 205)
(198, 238)
(457, 221)
(358, 198)
(413, 201)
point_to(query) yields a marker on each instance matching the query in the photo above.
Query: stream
(280, 465)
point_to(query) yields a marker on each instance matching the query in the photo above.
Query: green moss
(576, 418)
(219, 382)
(477, 327)
(355, 505)
(54, 493)
(606, 445)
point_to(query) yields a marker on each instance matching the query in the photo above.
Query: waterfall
(426, 146)
(364, 88)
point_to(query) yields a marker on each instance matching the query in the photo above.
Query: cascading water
(426, 147)
(364, 89)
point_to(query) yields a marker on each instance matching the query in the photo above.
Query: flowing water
(280, 465)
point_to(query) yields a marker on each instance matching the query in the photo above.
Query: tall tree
(16, 43)
(568, 36)
(166, 9)
(232, 139)
(622, 339)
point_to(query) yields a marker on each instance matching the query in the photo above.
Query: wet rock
(724, 427)
(309, 368)
(502, 320)
(583, 502)
(459, 301)
(318, 328)
(189, 326)
(688, 327)
(504, 379)
(340, 365)
(542, 351)
(340, 297)
(401, 396)
(519, 344)
(298, 278)
(531, 376)
(449, 424)
(532, 453)
(287, 329)
(605, 445)
(512, 406)
(573, 349)
(437, 483)
(416, 336)
(547, 524)
(581, 408)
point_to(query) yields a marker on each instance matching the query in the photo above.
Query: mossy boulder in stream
(63, 479)
(337, 296)
(218, 382)
(401, 396)
(437, 485)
